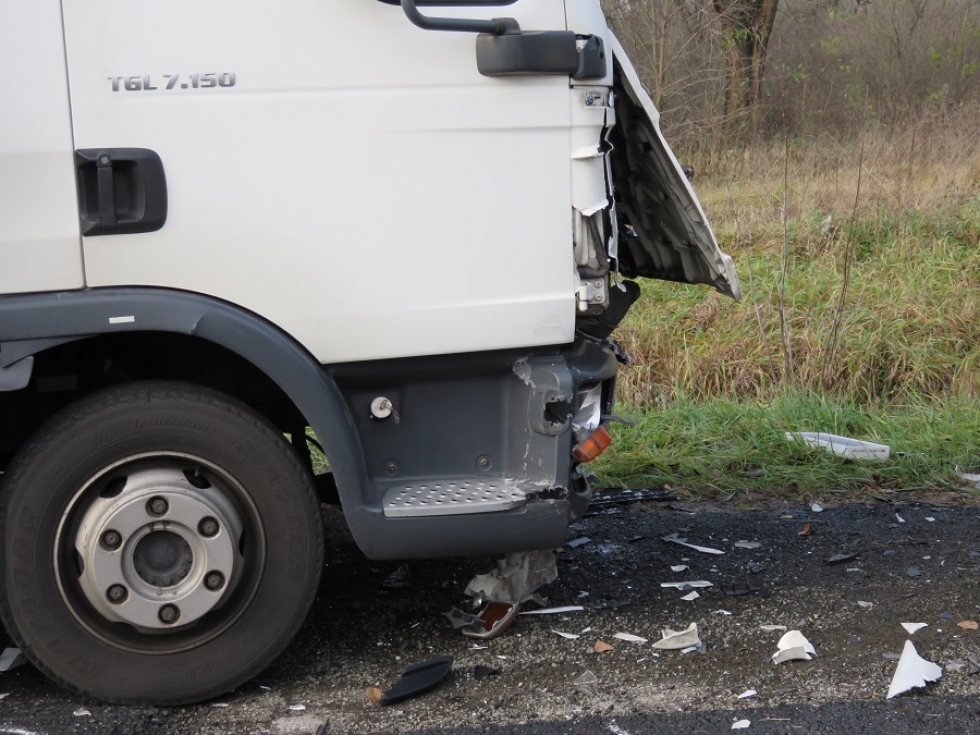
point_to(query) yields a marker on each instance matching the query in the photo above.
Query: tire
(162, 544)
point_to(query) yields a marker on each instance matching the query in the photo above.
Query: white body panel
(361, 185)
(40, 247)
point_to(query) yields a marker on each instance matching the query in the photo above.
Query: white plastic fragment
(695, 585)
(913, 671)
(747, 545)
(676, 639)
(630, 638)
(4, 695)
(975, 479)
(678, 567)
(899, 518)
(842, 446)
(722, 612)
(911, 628)
(219, 705)
(297, 707)
(748, 694)
(553, 610)
(690, 596)
(741, 725)
(11, 658)
(793, 646)
(930, 519)
(82, 712)
(569, 636)
(772, 628)
(677, 539)
(816, 507)
(865, 605)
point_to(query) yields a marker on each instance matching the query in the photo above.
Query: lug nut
(156, 506)
(111, 540)
(208, 527)
(169, 614)
(214, 581)
(116, 594)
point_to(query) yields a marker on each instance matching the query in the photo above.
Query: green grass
(723, 448)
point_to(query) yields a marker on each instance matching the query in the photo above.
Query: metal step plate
(453, 497)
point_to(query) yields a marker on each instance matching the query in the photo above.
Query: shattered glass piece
(748, 694)
(569, 636)
(695, 585)
(865, 605)
(461, 619)
(700, 648)
(11, 658)
(722, 612)
(630, 638)
(554, 610)
(889, 552)
(912, 672)
(930, 519)
(419, 679)
(677, 539)
(843, 557)
(492, 620)
(956, 665)
(755, 567)
(82, 712)
(516, 577)
(623, 496)
(677, 639)
(911, 628)
(586, 680)
(401, 578)
(690, 597)
(747, 545)
(914, 572)
(481, 672)
(575, 543)
(741, 725)
(602, 647)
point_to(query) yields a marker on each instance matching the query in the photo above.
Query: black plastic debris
(481, 672)
(913, 572)
(737, 589)
(419, 679)
(401, 578)
(609, 604)
(841, 558)
(323, 729)
(624, 496)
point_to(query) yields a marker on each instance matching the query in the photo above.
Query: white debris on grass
(676, 639)
(911, 628)
(677, 539)
(912, 672)
(816, 507)
(843, 446)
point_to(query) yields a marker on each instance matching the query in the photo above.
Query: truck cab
(237, 235)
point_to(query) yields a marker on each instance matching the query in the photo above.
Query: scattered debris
(690, 597)
(793, 646)
(865, 605)
(843, 446)
(11, 658)
(461, 619)
(747, 545)
(554, 610)
(722, 612)
(374, 695)
(602, 647)
(772, 628)
(219, 705)
(569, 636)
(807, 530)
(843, 557)
(899, 518)
(582, 541)
(82, 712)
(930, 519)
(418, 679)
(816, 507)
(911, 628)
(297, 708)
(678, 567)
(956, 665)
(629, 637)
(913, 671)
(748, 694)
(755, 567)
(623, 496)
(967, 625)
(741, 725)
(695, 585)
(736, 589)
(700, 648)
(914, 572)
(676, 639)
(492, 620)
(586, 680)
(677, 539)
(401, 578)
(516, 577)
(481, 672)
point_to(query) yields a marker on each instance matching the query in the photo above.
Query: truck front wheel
(162, 544)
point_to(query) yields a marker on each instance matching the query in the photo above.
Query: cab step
(453, 497)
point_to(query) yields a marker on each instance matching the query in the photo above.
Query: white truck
(224, 223)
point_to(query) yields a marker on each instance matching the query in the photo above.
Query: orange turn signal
(593, 446)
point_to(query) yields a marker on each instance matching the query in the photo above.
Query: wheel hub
(144, 558)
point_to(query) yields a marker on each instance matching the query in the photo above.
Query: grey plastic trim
(17, 375)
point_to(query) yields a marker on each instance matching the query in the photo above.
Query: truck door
(336, 169)
(40, 248)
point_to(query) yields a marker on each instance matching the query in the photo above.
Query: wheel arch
(35, 323)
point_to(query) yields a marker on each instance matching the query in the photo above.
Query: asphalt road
(362, 633)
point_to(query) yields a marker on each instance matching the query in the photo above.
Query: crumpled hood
(668, 236)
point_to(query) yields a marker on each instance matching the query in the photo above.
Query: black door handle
(120, 191)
